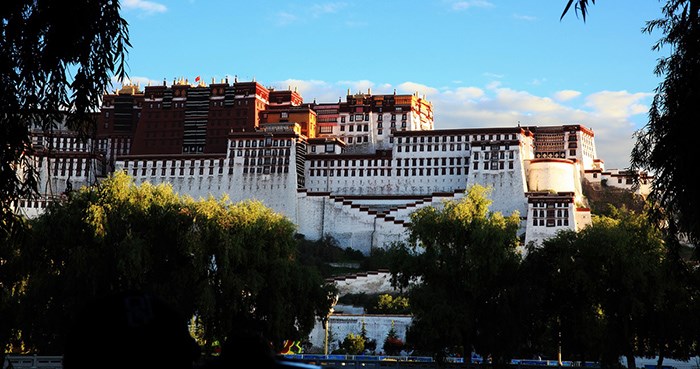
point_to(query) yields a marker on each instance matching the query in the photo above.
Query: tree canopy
(56, 60)
(608, 291)
(459, 265)
(598, 287)
(222, 264)
(665, 145)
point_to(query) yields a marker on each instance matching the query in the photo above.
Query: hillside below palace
(352, 170)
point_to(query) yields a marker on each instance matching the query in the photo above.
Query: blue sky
(483, 63)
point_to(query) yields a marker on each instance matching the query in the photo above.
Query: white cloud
(465, 93)
(321, 91)
(566, 95)
(617, 103)
(412, 87)
(468, 4)
(524, 101)
(148, 7)
(493, 85)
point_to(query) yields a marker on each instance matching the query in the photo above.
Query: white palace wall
(552, 175)
(508, 185)
(363, 199)
(536, 234)
(508, 192)
(214, 177)
(351, 225)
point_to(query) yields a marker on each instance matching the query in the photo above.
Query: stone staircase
(398, 213)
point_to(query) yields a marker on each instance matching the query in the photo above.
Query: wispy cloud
(318, 10)
(524, 17)
(493, 75)
(148, 7)
(285, 18)
(566, 95)
(493, 85)
(538, 81)
(468, 4)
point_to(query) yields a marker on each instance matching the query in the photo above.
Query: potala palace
(352, 170)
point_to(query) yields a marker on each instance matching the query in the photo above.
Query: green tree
(52, 69)
(605, 287)
(665, 145)
(625, 254)
(388, 304)
(224, 264)
(353, 344)
(10, 284)
(459, 268)
(674, 323)
(369, 344)
(558, 300)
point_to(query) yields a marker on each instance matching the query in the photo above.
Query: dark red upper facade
(186, 119)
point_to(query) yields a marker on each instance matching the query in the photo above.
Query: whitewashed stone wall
(508, 191)
(538, 233)
(388, 184)
(376, 326)
(54, 174)
(551, 175)
(583, 218)
(320, 216)
(507, 166)
(309, 215)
